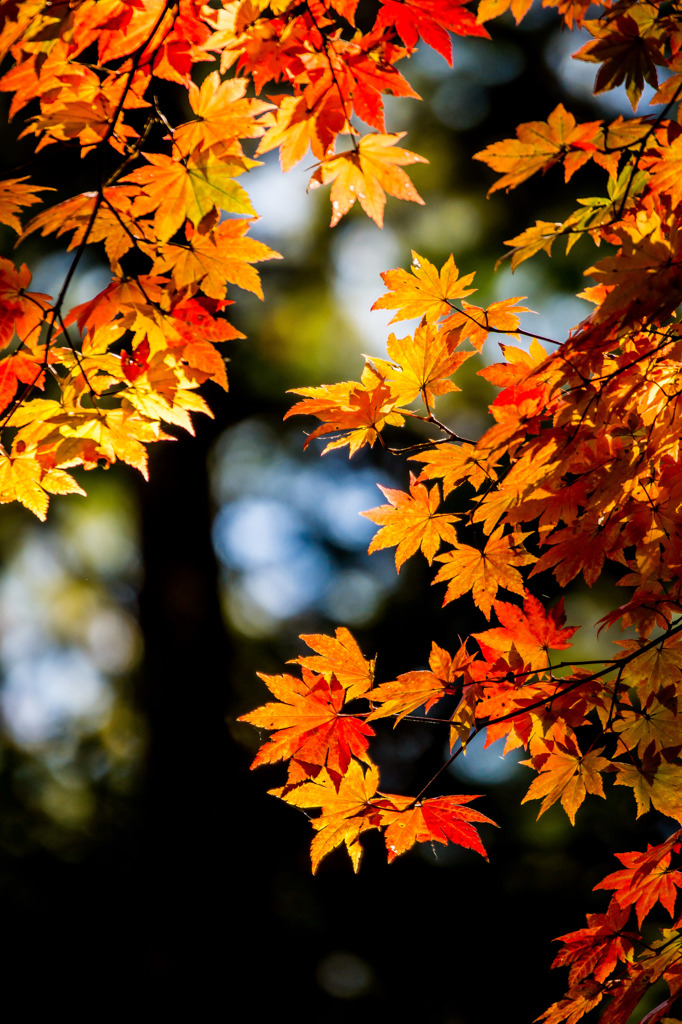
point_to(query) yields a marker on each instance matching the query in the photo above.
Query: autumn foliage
(580, 466)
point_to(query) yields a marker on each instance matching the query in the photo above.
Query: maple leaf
(366, 173)
(347, 810)
(361, 410)
(530, 630)
(425, 292)
(489, 9)
(483, 572)
(294, 127)
(581, 998)
(137, 363)
(646, 879)
(106, 221)
(566, 775)
(651, 670)
(432, 20)
(538, 146)
(339, 656)
(411, 522)
(666, 170)
(653, 782)
(628, 46)
(15, 194)
(412, 689)
(453, 464)
(359, 75)
(406, 693)
(176, 190)
(655, 722)
(441, 820)
(539, 238)
(475, 324)
(596, 949)
(21, 311)
(209, 261)
(23, 478)
(309, 724)
(642, 277)
(421, 365)
(17, 368)
(598, 541)
(223, 113)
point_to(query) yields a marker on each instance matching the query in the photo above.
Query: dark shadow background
(141, 863)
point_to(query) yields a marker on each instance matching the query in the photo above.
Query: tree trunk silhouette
(188, 791)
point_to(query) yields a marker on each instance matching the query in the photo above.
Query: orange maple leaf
(309, 724)
(441, 820)
(597, 949)
(586, 549)
(565, 775)
(646, 879)
(474, 323)
(361, 410)
(176, 190)
(531, 630)
(366, 173)
(411, 521)
(412, 689)
(539, 145)
(454, 463)
(14, 194)
(484, 572)
(294, 127)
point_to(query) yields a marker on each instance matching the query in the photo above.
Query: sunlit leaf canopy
(574, 477)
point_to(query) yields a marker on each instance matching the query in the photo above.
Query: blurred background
(141, 862)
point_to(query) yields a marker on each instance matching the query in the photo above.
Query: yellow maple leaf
(654, 724)
(421, 365)
(425, 291)
(661, 786)
(346, 812)
(224, 115)
(488, 9)
(652, 669)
